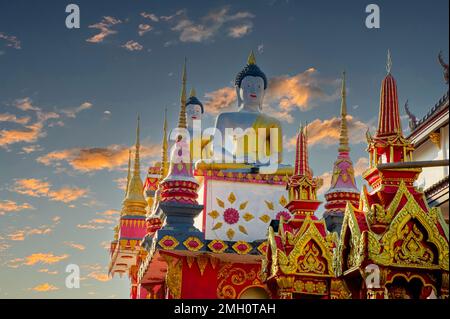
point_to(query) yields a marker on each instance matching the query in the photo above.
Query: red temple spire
(389, 116)
(301, 154)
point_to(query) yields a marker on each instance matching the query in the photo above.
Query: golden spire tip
(389, 62)
(251, 58)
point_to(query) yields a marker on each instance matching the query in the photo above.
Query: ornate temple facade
(212, 229)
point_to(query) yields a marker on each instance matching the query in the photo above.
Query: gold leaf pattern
(217, 226)
(248, 217)
(242, 229)
(214, 214)
(230, 233)
(269, 205)
(231, 198)
(243, 205)
(283, 201)
(220, 203)
(265, 218)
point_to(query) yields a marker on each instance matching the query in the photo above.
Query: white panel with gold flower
(242, 211)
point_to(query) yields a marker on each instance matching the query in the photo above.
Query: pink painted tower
(343, 187)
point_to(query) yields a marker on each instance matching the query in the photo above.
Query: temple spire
(137, 163)
(301, 154)
(389, 115)
(164, 155)
(343, 138)
(182, 116)
(129, 172)
(135, 203)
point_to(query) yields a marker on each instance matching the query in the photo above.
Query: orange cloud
(94, 159)
(104, 26)
(75, 246)
(21, 234)
(32, 187)
(90, 226)
(72, 112)
(109, 213)
(44, 287)
(37, 258)
(6, 117)
(219, 100)
(48, 271)
(99, 276)
(327, 132)
(44, 258)
(39, 188)
(26, 104)
(29, 134)
(7, 206)
(133, 46)
(67, 194)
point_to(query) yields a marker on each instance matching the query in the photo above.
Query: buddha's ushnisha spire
(251, 58)
(343, 138)
(182, 116)
(193, 93)
(164, 155)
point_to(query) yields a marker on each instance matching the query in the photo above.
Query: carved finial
(412, 118)
(251, 58)
(389, 62)
(137, 164)
(193, 93)
(368, 136)
(444, 65)
(129, 171)
(164, 157)
(343, 138)
(182, 116)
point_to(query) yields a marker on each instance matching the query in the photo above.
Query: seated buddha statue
(249, 137)
(194, 114)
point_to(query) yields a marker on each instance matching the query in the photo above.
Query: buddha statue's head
(251, 84)
(194, 109)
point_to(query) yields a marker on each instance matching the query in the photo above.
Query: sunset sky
(69, 100)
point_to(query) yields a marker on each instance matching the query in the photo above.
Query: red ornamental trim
(242, 247)
(263, 248)
(168, 242)
(193, 244)
(217, 246)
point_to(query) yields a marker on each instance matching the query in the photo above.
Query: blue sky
(69, 99)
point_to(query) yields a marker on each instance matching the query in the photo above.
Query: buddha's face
(193, 112)
(251, 93)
